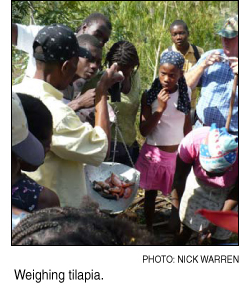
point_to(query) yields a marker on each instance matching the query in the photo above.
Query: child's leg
(149, 207)
(184, 235)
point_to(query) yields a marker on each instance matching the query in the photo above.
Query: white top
(25, 40)
(169, 130)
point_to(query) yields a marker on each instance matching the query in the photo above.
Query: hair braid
(70, 226)
(40, 217)
(124, 53)
(31, 230)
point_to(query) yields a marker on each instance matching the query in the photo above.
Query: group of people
(66, 111)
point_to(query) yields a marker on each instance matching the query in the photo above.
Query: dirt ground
(162, 213)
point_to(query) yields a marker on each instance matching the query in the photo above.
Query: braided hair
(71, 226)
(124, 53)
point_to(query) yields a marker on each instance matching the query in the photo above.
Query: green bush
(144, 23)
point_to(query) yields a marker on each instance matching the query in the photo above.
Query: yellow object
(73, 144)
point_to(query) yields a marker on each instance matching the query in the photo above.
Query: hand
(234, 66)
(110, 77)
(85, 100)
(211, 59)
(206, 233)
(163, 97)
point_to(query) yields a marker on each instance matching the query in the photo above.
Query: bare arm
(178, 187)
(149, 121)
(193, 76)
(48, 199)
(86, 100)
(232, 199)
(14, 34)
(182, 171)
(187, 124)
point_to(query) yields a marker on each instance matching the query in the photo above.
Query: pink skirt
(157, 168)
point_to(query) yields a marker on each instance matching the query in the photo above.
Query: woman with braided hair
(164, 120)
(125, 55)
(71, 226)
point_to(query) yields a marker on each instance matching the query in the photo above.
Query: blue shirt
(214, 101)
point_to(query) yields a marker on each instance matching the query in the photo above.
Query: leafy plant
(144, 23)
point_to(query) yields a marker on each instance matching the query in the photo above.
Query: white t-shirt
(170, 128)
(25, 40)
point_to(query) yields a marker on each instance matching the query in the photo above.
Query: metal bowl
(101, 173)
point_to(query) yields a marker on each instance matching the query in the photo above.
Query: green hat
(230, 28)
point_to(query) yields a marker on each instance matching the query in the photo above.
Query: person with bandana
(212, 184)
(164, 120)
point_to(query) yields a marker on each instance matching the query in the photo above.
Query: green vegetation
(144, 23)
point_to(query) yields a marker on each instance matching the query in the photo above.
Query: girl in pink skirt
(164, 121)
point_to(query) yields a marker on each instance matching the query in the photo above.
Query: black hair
(87, 39)
(179, 22)
(124, 53)
(38, 116)
(93, 18)
(71, 226)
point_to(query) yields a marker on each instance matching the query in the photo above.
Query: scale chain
(117, 129)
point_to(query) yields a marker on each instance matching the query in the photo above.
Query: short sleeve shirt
(189, 153)
(73, 144)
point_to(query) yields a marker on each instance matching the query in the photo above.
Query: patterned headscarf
(219, 150)
(178, 60)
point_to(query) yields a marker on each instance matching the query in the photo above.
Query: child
(28, 195)
(125, 55)
(180, 37)
(164, 121)
(24, 145)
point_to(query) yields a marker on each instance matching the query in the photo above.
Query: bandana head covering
(219, 150)
(174, 58)
(177, 60)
